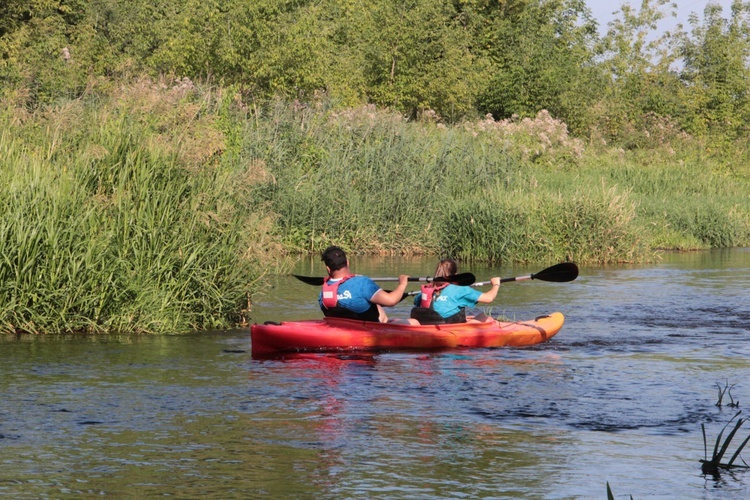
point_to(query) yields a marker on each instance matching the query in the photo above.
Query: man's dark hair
(334, 258)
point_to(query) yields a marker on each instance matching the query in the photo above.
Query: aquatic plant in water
(726, 390)
(712, 466)
(610, 496)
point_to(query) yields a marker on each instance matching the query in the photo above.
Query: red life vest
(330, 292)
(429, 292)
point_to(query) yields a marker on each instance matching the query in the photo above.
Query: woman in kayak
(445, 302)
(346, 295)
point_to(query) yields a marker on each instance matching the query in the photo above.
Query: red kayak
(342, 335)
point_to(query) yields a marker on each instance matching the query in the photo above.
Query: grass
(595, 226)
(107, 226)
(714, 465)
(158, 206)
(502, 191)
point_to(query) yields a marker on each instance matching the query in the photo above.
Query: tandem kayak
(343, 335)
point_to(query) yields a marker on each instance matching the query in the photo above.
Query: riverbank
(161, 205)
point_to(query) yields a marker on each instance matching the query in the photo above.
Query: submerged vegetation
(138, 202)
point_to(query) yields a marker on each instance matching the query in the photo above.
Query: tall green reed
(160, 205)
(368, 179)
(107, 226)
(590, 226)
(688, 205)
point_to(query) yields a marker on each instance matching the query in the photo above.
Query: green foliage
(267, 46)
(643, 88)
(416, 56)
(519, 226)
(356, 123)
(687, 203)
(347, 175)
(446, 60)
(540, 59)
(371, 180)
(716, 72)
(712, 224)
(112, 223)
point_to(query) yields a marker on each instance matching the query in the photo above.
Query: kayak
(344, 335)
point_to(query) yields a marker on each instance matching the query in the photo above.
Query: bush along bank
(159, 206)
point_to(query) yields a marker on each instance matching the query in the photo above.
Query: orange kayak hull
(341, 335)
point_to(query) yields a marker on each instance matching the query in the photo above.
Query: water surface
(618, 396)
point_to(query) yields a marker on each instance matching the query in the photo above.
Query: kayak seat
(371, 314)
(427, 316)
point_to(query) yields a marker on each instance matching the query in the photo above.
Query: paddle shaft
(559, 273)
(481, 283)
(464, 279)
(504, 280)
(457, 277)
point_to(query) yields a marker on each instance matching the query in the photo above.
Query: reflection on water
(618, 396)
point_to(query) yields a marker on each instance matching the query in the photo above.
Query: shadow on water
(618, 397)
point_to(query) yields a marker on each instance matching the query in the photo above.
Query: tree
(415, 55)
(35, 47)
(716, 73)
(643, 83)
(541, 55)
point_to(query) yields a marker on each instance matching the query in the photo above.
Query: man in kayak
(445, 302)
(346, 295)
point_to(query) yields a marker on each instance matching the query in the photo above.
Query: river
(618, 397)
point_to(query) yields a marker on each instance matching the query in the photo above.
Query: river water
(618, 397)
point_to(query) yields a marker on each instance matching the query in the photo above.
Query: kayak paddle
(463, 279)
(559, 273)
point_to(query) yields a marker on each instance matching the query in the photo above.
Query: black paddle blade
(559, 273)
(310, 280)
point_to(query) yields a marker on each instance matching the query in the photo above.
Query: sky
(602, 11)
